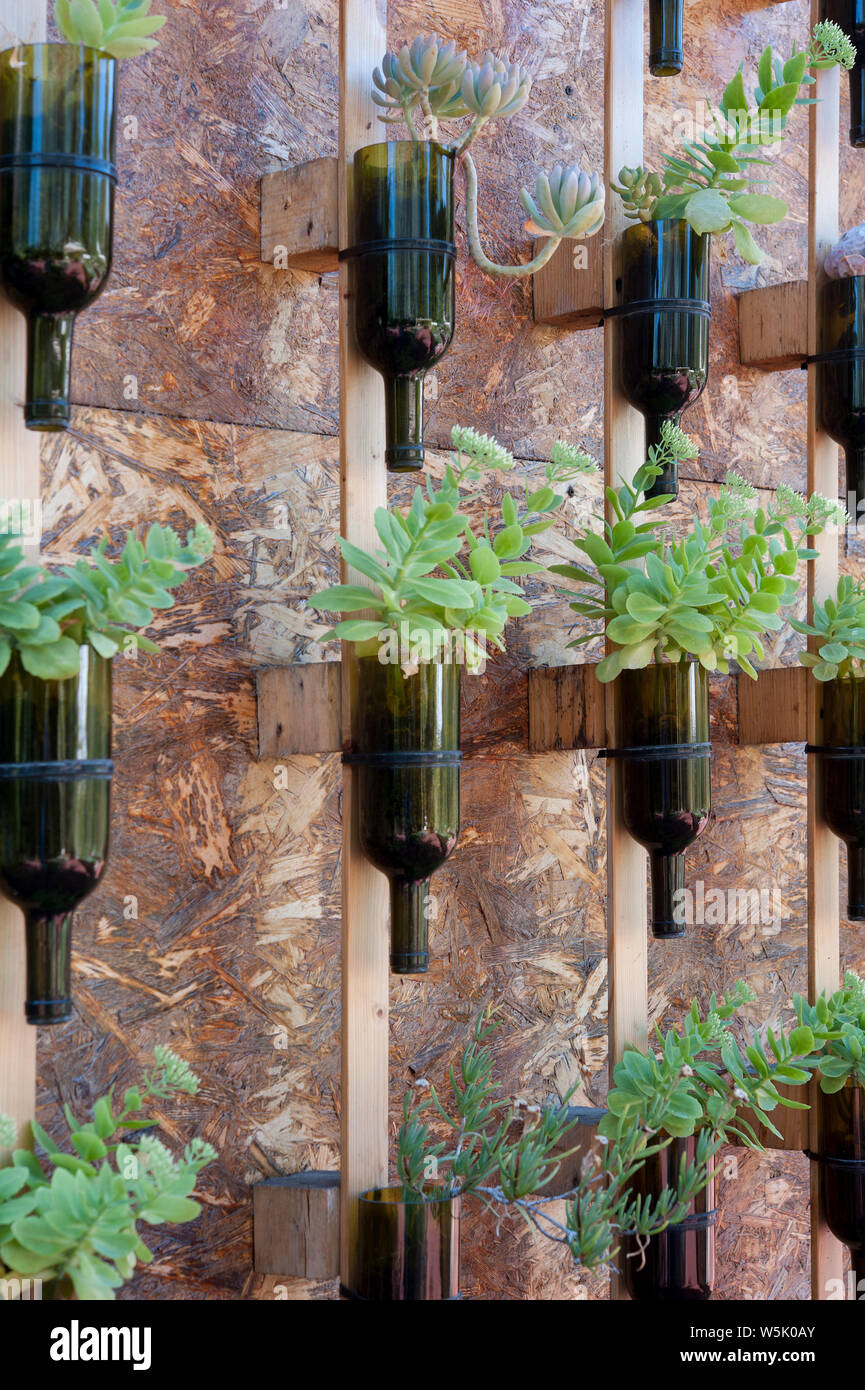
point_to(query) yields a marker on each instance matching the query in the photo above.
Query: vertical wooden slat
(21, 21)
(823, 898)
(365, 965)
(624, 452)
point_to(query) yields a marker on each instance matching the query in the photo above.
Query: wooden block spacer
(296, 1225)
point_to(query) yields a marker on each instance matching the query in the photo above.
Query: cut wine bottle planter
(842, 1171)
(850, 14)
(55, 790)
(402, 278)
(408, 1246)
(663, 721)
(57, 177)
(666, 23)
(664, 335)
(679, 1263)
(842, 781)
(841, 376)
(405, 734)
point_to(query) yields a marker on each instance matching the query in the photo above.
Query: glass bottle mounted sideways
(841, 778)
(405, 735)
(401, 278)
(666, 44)
(842, 1171)
(850, 14)
(679, 1263)
(55, 794)
(663, 332)
(57, 176)
(408, 1246)
(663, 759)
(841, 378)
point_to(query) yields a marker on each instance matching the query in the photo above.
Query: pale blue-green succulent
(567, 203)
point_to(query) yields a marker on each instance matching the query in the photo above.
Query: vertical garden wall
(205, 388)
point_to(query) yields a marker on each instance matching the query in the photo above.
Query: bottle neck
(857, 105)
(409, 928)
(855, 882)
(403, 403)
(49, 967)
(667, 482)
(49, 362)
(668, 880)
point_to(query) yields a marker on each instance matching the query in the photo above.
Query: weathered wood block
(299, 223)
(299, 709)
(772, 709)
(566, 708)
(296, 1225)
(773, 326)
(569, 290)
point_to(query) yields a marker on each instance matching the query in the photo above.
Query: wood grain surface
(233, 864)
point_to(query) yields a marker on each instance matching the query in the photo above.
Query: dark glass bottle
(850, 14)
(57, 127)
(842, 1171)
(404, 300)
(406, 738)
(55, 790)
(842, 779)
(663, 719)
(841, 378)
(663, 349)
(666, 23)
(680, 1262)
(408, 1247)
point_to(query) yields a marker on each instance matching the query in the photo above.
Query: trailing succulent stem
(429, 81)
(709, 182)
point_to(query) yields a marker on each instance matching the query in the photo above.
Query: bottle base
(667, 62)
(856, 912)
(47, 415)
(404, 458)
(668, 931)
(410, 963)
(47, 1011)
(857, 136)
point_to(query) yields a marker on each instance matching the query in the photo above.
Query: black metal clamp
(655, 752)
(386, 244)
(655, 306)
(43, 159)
(64, 770)
(411, 757)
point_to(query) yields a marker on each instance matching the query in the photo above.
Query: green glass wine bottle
(841, 378)
(850, 14)
(663, 721)
(408, 1246)
(679, 1264)
(57, 176)
(402, 278)
(842, 1171)
(405, 736)
(664, 334)
(841, 778)
(55, 790)
(666, 43)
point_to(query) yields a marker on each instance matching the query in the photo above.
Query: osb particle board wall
(206, 386)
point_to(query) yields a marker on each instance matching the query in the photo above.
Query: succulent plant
(567, 203)
(438, 80)
(709, 181)
(839, 623)
(123, 28)
(493, 88)
(46, 617)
